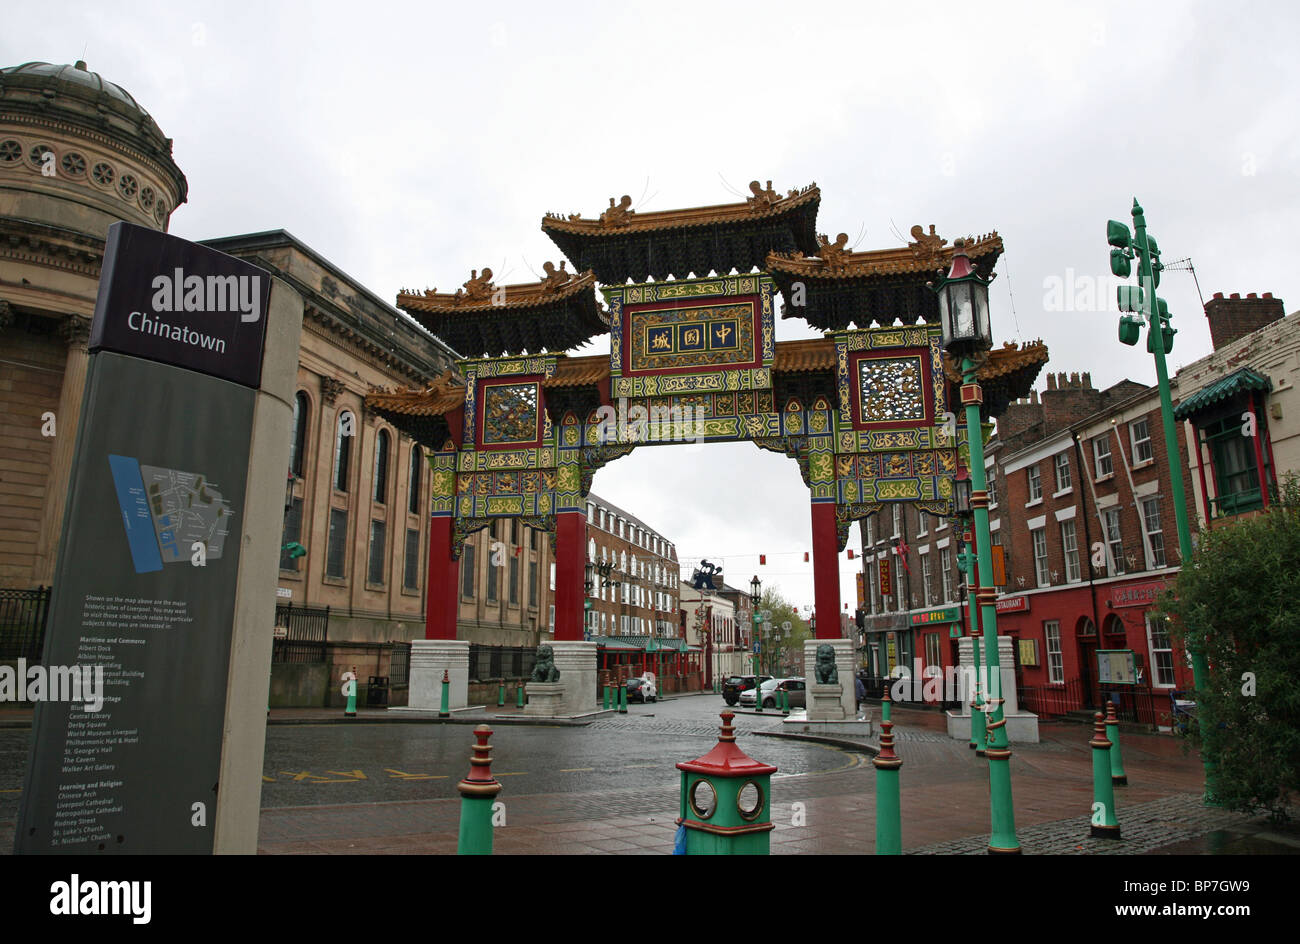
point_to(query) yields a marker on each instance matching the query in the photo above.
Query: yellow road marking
(11, 791)
(573, 770)
(518, 773)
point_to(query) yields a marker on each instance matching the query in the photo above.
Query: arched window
(591, 550)
(381, 466)
(413, 487)
(298, 444)
(343, 435)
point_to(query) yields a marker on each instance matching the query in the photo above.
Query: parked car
(642, 689)
(793, 687)
(736, 684)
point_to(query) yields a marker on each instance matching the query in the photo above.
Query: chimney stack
(1235, 317)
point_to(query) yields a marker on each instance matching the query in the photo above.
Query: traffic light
(762, 559)
(850, 553)
(294, 550)
(1133, 301)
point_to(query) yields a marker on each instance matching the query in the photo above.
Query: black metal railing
(1150, 706)
(399, 665)
(1053, 700)
(23, 614)
(495, 662)
(301, 633)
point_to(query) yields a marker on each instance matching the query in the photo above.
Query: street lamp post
(966, 564)
(1143, 306)
(755, 598)
(964, 317)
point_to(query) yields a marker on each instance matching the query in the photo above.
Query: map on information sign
(166, 511)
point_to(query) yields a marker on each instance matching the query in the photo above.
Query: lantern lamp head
(964, 306)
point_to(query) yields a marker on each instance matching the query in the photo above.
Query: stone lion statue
(544, 669)
(825, 671)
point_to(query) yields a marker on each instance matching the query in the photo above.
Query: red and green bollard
(519, 695)
(444, 710)
(889, 815)
(621, 695)
(1117, 774)
(501, 694)
(1104, 823)
(478, 792)
(350, 711)
(785, 702)
(725, 806)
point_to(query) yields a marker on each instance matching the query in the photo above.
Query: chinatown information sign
(148, 580)
(1116, 667)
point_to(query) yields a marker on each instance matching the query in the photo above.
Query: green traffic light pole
(1159, 339)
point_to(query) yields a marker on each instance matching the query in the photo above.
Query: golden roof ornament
(617, 215)
(554, 278)
(832, 254)
(479, 288)
(762, 198)
(928, 247)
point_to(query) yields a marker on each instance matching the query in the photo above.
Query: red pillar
(570, 556)
(440, 604)
(826, 570)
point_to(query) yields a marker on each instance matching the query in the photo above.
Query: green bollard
(478, 793)
(884, 705)
(889, 816)
(605, 701)
(1104, 823)
(622, 699)
(725, 803)
(501, 694)
(443, 710)
(1117, 774)
(351, 710)
(519, 695)
(785, 703)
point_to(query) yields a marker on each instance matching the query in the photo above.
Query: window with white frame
(1114, 541)
(1055, 661)
(1139, 434)
(1070, 547)
(991, 485)
(1039, 536)
(923, 523)
(945, 572)
(898, 520)
(926, 579)
(1101, 456)
(1155, 537)
(1062, 467)
(1035, 483)
(1162, 652)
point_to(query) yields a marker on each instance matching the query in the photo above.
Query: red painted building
(1086, 517)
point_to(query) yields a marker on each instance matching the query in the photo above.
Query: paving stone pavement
(1143, 828)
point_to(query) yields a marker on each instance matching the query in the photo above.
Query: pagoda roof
(841, 288)
(1007, 374)
(421, 412)
(622, 244)
(556, 313)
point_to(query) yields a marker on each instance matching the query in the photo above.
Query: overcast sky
(411, 143)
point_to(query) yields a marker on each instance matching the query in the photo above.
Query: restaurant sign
(951, 614)
(1013, 605)
(1139, 594)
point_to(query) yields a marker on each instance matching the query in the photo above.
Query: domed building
(77, 153)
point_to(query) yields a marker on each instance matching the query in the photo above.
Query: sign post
(165, 585)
